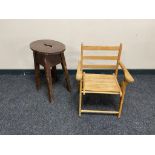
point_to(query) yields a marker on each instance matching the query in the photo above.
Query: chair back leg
(80, 98)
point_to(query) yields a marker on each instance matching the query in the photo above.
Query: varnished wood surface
(47, 47)
(127, 75)
(89, 57)
(79, 72)
(49, 53)
(99, 66)
(112, 48)
(101, 83)
(84, 56)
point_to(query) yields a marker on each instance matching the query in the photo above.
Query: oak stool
(49, 53)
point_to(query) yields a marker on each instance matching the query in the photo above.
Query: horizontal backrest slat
(89, 57)
(113, 48)
(109, 54)
(85, 66)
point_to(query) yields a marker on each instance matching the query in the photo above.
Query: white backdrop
(137, 36)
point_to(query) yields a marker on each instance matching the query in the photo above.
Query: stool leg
(37, 75)
(37, 72)
(64, 66)
(48, 79)
(54, 75)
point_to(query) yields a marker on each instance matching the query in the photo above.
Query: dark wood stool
(49, 53)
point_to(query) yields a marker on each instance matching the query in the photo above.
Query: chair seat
(101, 83)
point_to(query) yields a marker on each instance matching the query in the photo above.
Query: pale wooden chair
(102, 83)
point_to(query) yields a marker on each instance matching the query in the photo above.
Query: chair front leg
(123, 88)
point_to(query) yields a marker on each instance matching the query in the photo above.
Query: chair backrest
(116, 49)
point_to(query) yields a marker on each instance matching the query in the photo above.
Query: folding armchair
(102, 83)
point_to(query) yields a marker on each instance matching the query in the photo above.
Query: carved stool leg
(64, 66)
(49, 80)
(37, 72)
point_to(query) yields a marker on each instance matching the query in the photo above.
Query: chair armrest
(79, 72)
(127, 75)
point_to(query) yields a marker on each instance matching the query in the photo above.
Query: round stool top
(47, 46)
